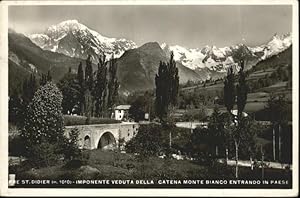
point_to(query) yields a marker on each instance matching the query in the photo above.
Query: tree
(238, 132)
(249, 129)
(43, 80)
(147, 142)
(99, 91)
(216, 129)
(80, 80)
(71, 92)
(242, 91)
(16, 110)
(29, 88)
(138, 109)
(88, 88)
(277, 109)
(167, 85)
(113, 84)
(229, 92)
(70, 145)
(44, 121)
(229, 99)
(49, 77)
(89, 79)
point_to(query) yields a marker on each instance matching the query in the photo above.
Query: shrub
(70, 145)
(16, 146)
(43, 129)
(81, 120)
(44, 154)
(147, 142)
(43, 120)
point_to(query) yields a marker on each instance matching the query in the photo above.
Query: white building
(121, 112)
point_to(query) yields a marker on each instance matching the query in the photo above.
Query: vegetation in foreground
(109, 165)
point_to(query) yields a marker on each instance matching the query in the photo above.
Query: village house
(121, 112)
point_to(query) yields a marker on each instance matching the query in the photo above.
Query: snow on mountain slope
(76, 40)
(219, 59)
(276, 45)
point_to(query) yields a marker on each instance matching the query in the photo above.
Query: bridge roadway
(104, 136)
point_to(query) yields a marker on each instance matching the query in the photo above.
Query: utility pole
(274, 144)
(170, 136)
(226, 155)
(149, 108)
(279, 142)
(262, 163)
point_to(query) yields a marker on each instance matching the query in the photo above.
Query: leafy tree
(44, 121)
(89, 78)
(229, 92)
(237, 133)
(167, 85)
(277, 109)
(88, 88)
(88, 104)
(100, 90)
(71, 92)
(140, 106)
(80, 80)
(249, 129)
(148, 141)
(49, 77)
(44, 154)
(242, 91)
(113, 84)
(16, 110)
(43, 80)
(138, 109)
(199, 147)
(216, 129)
(29, 88)
(70, 145)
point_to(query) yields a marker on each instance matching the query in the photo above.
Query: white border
(5, 191)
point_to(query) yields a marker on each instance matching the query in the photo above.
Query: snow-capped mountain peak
(219, 59)
(77, 40)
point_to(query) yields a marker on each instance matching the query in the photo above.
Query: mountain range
(219, 59)
(76, 40)
(66, 44)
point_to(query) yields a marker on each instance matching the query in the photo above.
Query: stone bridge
(104, 136)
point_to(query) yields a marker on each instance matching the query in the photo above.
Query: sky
(192, 26)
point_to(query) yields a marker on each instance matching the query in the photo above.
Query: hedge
(70, 120)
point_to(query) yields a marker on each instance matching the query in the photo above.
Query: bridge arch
(107, 141)
(87, 142)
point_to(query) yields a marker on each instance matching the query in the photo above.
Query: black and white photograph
(170, 95)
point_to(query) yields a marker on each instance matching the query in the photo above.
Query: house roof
(122, 107)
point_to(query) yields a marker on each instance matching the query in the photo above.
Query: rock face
(76, 40)
(137, 68)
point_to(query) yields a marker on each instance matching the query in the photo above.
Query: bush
(70, 120)
(73, 164)
(147, 142)
(16, 146)
(43, 120)
(44, 154)
(70, 145)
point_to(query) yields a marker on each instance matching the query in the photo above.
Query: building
(121, 112)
